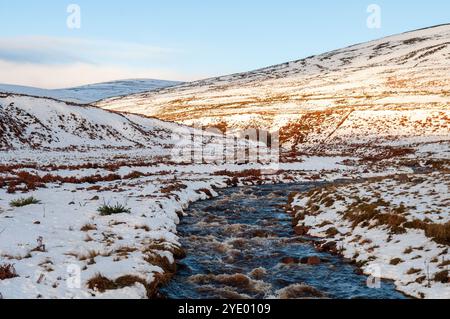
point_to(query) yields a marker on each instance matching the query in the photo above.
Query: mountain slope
(93, 92)
(40, 123)
(390, 92)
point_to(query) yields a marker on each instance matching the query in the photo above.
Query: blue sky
(185, 40)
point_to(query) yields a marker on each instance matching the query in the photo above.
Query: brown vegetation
(88, 227)
(7, 272)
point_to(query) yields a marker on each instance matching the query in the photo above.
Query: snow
(65, 208)
(93, 92)
(425, 198)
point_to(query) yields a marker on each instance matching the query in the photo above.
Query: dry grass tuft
(162, 262)
(413, 271)
(331, 232)
(396, 261)
(442, 277)
(7, 272)
(88, 227)
(439, 232)
(101, 283)
(255, 173)
(173, 188)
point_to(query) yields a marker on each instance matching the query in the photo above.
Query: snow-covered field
(61, 246)
(78, 241)
(60, 243)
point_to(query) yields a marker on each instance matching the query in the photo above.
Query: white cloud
(53, 50)
(62, 76)
(51, 62)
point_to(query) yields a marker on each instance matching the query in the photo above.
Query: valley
(101, 195)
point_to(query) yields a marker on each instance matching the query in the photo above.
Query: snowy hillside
(390, 92)
(28, 122)
(93, 92)
(43, 124)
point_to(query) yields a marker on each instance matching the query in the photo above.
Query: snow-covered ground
(93, 92)
(62, 247)
(394, 227)
(60, 243)
(60, 163)
(79, 241)
(40, 123)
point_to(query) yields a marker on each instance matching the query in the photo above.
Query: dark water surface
(235, 245)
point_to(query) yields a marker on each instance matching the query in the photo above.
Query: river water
(242, 245)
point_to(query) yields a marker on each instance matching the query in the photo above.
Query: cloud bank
(49, 62)
(75, 74)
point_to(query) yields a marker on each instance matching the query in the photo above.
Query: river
(242, 245)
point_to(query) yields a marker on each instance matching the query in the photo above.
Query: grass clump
(21, 202)
(7, 272)
(413, 271)
(332, 231)
(396, 261)
(442, 277)
(108, 210)
(88, 227)
(439, 232)
(102, 284)
(408, 250)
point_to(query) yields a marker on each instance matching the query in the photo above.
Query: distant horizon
(42, 46)
(93, 83)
